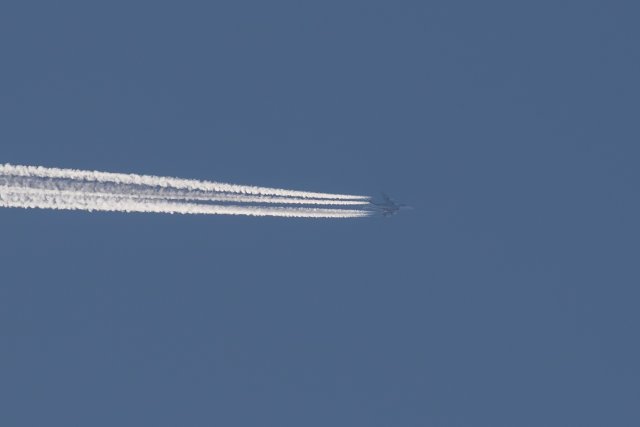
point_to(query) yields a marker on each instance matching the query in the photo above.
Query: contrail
(98, 188)
(53, 188)
(162, 182)
(48, 199)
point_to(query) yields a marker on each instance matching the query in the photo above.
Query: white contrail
(33, 198)
(163, 182)
(58, 184)
(53, 188)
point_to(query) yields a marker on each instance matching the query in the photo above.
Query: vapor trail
(80, 186)
(162, 182)
(47, 199)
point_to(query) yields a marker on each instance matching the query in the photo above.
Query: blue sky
(507, 297)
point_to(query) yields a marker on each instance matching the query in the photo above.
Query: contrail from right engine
(66, 200)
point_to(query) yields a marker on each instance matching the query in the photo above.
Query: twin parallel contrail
(71, 189)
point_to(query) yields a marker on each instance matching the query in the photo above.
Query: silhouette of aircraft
(388, 207)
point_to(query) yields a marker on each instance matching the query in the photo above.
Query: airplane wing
(387, 199)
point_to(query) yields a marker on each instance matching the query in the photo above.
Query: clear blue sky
(508, 297)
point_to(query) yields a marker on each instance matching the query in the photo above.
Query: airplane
(388, 207)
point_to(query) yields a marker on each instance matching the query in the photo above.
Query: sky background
(508, 297)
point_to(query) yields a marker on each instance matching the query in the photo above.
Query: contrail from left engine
(33, 187)
(162, 182)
